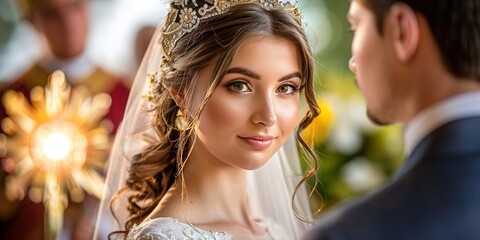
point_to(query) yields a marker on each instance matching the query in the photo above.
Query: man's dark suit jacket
(435, 195)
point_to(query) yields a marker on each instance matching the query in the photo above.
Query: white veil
(270, 188)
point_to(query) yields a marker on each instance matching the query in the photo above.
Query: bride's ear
(178, 96)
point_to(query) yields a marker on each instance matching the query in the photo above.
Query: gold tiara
(185, 15)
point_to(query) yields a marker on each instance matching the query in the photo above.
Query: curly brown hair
(216, 40)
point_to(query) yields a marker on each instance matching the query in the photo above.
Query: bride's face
(254, 108)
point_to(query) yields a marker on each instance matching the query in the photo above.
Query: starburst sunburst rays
(56, 145)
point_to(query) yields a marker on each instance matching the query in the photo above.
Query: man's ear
(405, 31)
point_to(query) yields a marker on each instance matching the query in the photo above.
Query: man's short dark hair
(455, 25)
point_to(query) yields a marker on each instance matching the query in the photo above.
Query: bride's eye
(287, 89)
(238, 86)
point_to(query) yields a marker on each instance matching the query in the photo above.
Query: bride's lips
(258, 142)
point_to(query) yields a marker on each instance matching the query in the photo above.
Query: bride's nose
(265, 112)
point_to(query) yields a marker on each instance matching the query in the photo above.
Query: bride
(208, 145)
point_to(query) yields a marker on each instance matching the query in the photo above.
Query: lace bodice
(170, 228)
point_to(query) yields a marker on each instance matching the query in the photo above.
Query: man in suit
(417, 62)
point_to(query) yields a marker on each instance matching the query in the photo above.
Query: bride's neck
(218, 200)
(211, 190)
(215, 185)
(212, 195)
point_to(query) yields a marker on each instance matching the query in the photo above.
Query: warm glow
(56, 145)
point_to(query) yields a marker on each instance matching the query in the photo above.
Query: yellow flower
(319, 129)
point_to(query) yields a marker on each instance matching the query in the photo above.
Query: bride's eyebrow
(292, 75)
(243, 71)
(253, 75)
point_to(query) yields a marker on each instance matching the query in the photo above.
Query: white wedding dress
(173, 229)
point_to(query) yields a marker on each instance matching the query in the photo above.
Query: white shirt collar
(457, 107)
(75, 69)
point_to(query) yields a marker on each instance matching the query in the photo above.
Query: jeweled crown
(185, 15)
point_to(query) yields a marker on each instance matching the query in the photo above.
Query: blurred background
(356, 157)
(113, 27)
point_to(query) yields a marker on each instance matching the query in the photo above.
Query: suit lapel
(454, 138)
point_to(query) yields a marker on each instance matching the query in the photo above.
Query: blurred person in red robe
(64, 25)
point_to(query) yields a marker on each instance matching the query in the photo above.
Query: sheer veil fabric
(270, 188)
